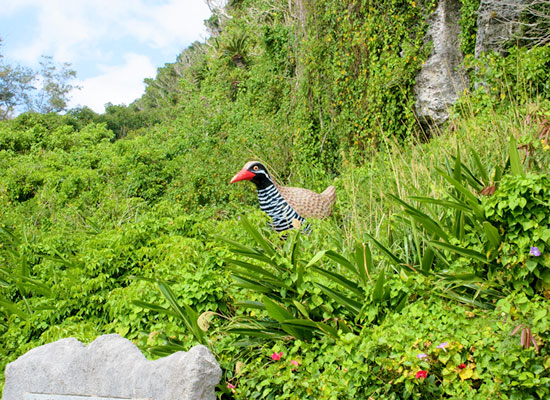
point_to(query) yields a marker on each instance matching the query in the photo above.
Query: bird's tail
(329, 193)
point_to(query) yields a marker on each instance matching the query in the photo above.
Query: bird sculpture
(287, 206)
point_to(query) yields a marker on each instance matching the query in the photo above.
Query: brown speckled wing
(308, 203)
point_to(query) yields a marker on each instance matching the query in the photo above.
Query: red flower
(462, 366)
(421, 374)
(276, 356)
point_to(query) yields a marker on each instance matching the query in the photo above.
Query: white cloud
(67, 28)
(118, 85)
(170, 24)
(90, 34)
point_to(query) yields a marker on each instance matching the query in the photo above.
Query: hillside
(431, 279)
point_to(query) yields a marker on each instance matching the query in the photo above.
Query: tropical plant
(181, 312)
(455, 242)
(281, 286)
(305, 295)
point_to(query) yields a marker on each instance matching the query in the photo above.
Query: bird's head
(253, 171)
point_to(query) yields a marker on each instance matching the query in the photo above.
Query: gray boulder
(441, 80)
(112, 366)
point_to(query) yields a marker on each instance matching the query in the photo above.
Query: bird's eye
(255, 168)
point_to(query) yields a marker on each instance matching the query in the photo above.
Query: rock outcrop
(441, 81)
(112, 367)
(497, 23)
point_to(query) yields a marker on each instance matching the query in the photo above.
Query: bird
(288, 207)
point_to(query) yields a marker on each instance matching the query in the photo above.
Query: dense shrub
(519, 208)
(464, 354)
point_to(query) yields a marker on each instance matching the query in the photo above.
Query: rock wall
(441, 80)
(497, 23)
(112, 367)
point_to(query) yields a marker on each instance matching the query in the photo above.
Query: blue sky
(113, 45)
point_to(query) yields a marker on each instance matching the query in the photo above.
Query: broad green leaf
(281, 315)
(402, 303)
(463, 278)
(258, 237)
(427, 259)
(185, 313)
(363, 262)
(154, 307)
(465, 300)
(425, 220)
(393, 258)
(295, 249)
(432, 227)
(492, 234)
(515, 160)
(339, 279)
(458, 225)
(461, 250)
(256, 279)
(250, 267)
(13, 309)
(352, 305)
(247, 283)
(309, 324)
(444, 203)
(276, 311)
(258, 305)
(378, 293)
(165, 350)
(480, 167)
(470, 198)
(316, 258)
(264, 333)
(470, 177)
(303, 310)
(35, 286)
(344, 262)
(260, 257)
(238, 246)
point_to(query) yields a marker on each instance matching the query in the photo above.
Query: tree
(53, 87)
(22, 89)
(15, 87)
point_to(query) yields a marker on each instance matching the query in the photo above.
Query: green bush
(519, 209)
(464, 354)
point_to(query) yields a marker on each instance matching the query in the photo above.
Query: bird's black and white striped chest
(274, 205)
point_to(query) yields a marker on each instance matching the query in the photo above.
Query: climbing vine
(468, 26)
(360, 60)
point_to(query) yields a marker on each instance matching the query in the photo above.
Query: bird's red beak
(243, 175)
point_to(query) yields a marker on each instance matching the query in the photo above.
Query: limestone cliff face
(441, 80)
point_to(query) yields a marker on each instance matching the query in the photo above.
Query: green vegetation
(430, 281)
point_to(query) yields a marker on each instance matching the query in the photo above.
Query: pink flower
(230, 386)
(421, 374)
(294, 362)
(276, 356)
